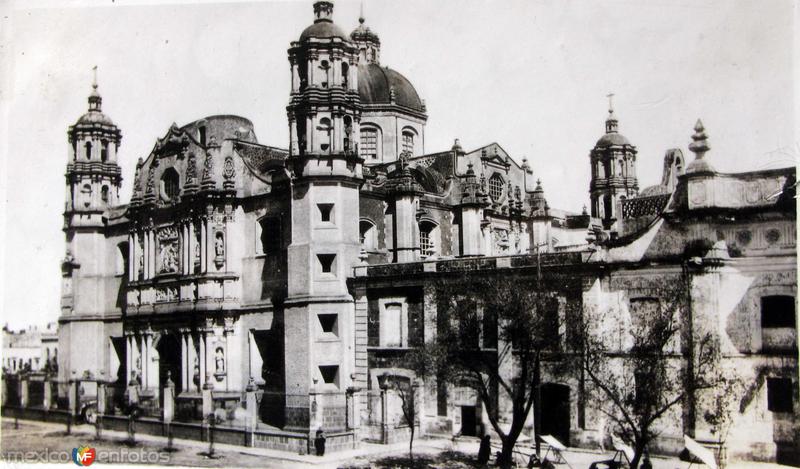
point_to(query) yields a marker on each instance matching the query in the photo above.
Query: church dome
(612, 139)
(94, 117)
(323, 30)
(363, 33)
(376, 83)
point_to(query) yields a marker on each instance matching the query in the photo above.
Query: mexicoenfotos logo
(83, 455)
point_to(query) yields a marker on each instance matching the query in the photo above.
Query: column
(185, 252)
(132, 267)
(146, 255)
(151, 253)
(310, 134)
(185, 369)
(191, 243)
(192, 356)
(204, 245)
(128, 357)
(202, 347)
(152, 381)
(23, 391)
(48, 394)
(101, 398)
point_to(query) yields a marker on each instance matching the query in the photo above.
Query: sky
(532, 75)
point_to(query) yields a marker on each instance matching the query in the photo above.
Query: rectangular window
(369, 144)
(325, 212)
(779, 394)
(326, 262)
(425, 243)
(777, 311)
(392, 326)
(330, 374)
(408, 142)
(329, 323)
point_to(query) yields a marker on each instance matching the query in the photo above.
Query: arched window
(348, 133)
(104, 193)
(88, 150)
(104, 151)
(170, 185)
(345, 75)
(428, 238)
(325, 67)
(86, 191)
(370, 143)
(496, 187)
(367, 231)
(325, 133)
(122, 258)
(408, 141)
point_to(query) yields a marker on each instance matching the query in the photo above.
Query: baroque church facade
(296, 274)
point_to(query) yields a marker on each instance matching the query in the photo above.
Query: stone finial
(699, 147)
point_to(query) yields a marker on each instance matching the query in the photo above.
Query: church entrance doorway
(555, 411)
(169, 362)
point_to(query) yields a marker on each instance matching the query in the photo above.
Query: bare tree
(655, 366)
(407, 392)
(493, 335)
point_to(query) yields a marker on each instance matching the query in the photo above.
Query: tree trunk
(507, 453)
(638, 450)
(411, 444)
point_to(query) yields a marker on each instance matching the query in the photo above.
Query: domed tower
(368, 43)
(393, 116)
(324, 115)
(613, 161)
(88, 268)
(93, 175)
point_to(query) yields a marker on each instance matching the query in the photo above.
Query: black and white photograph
(399, 233)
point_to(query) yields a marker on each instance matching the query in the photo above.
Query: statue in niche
(219, 363)
(219, 250)
(196, 372)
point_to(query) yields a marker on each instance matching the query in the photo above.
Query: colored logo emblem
(83, 455)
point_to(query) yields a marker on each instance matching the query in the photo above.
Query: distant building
(31, 349)
(302, 272)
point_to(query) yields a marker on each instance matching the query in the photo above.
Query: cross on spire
(361, 13)
(94, 79)
(610, 97)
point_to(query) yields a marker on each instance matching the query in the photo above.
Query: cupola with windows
(93, 175)
(613, 167)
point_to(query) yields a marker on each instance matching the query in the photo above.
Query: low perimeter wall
(299, 443)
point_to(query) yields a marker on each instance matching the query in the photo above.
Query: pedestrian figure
(485, 450)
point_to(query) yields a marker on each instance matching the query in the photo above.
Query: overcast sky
(530, 75)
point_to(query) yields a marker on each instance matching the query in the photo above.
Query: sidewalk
(364, 456)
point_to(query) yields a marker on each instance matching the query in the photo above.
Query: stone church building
(294, 274)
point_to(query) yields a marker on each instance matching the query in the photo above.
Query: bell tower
(613, 161)
(93, 175)
(324, 114)
(93, 179)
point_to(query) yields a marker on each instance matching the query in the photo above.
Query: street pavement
(44, 440)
